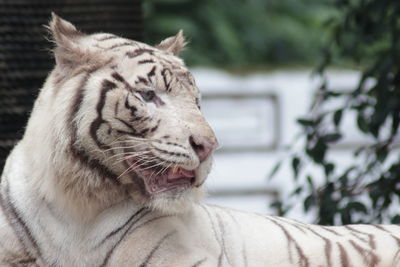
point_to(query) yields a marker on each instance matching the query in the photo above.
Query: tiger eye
(148, 95)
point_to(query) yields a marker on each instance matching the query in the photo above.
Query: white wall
(254, 117)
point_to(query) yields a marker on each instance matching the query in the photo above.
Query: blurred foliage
(367, 32)
(242, 33)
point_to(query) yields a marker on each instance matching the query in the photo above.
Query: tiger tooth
(175, 170)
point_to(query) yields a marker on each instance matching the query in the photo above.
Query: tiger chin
(112, 166)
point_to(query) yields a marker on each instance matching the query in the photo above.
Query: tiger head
(123, 116)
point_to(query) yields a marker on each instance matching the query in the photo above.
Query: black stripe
(132, 109)
(116, 109)
(152, 72)
(146, 61)
(343, 256)
(129, 43)
(157, 246)
(198, 102)
(14, 218)
(359, 235)
(137, 118)
(121, 79)
(362, 252)
(371, 242)
(108, 37)
(143, 132)
(150, 75)
(135, 133)
(128, 125)
(116, 231)
(380, 227)
(118, 77)
(291, 223)
(171, 153)
(138, 52)
(76, 152)
(96, 166)
(330, 230)
(199, 262)
(327, 247)
(106, 86)
(145, 119)
(223, 234)
(122, 237)
(167, 82)
(142, 80)
(238, 226)
(149, 221)
(27, 261)
(154, 129)
(215, 234)
(303, 260)
(174, 144)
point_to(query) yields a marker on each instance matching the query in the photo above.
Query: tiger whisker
(145, 160)
(126, 157)
(154, 165)
(128, 142)
(131, 168)
(116, 140)
(121, 147)
(129, 154)
(142, 154)
(169, 165)
(123, 158)
(131, 139)
(162, 170)
(106, 150)
(165, 168)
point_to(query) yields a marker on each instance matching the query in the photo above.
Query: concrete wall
(254, 117)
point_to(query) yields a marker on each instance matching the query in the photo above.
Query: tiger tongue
(175, 173)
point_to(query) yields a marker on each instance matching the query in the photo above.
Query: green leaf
(337, 117)
(382, 153)
(296, 166)
(345, 216)
(306, 122)
(362, 124)
(357, 206)
(275, 169)
(280, 208)
(332, 137)
(317, 152)
(395, 219)
(309, 202)
(328, 168)
(310, 182)
(297, 191)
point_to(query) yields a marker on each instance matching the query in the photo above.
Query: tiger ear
(174, 44)
(67, 51)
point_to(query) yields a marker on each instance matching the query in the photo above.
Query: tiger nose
(202, 146)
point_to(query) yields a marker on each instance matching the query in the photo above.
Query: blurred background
(303, 94)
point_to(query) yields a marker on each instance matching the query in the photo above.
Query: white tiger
(111, 168)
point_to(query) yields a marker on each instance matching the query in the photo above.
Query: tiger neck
(40, 218)
(66, 188)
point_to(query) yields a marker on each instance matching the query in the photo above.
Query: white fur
(58, 211)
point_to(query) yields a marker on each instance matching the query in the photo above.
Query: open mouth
(159, 179)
